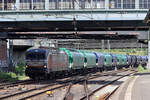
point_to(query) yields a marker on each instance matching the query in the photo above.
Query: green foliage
(18, 74)
(137, 51)
(8, 76)
(22, 77)
(20, 69)
(12, 75)
(141, 69)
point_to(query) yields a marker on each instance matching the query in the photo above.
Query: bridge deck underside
(70, 29)
(70, 36)
(29, 26)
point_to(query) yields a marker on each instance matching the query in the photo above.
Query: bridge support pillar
(3, 55)
(148, 67)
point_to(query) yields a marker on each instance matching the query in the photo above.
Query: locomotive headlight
(26, 66)
(45, 66)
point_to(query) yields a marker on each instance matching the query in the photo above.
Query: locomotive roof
(38, 50)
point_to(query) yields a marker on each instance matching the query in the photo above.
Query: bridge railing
(72, 4)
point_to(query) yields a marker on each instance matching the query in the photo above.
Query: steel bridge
(71, 16)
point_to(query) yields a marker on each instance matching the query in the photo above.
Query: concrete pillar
(136, 4)
(10, 54)
(106, 4)
(46, 4)
(17, 4)
(148, 67)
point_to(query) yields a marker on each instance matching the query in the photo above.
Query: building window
(99, 4)
(1, 5)
(128, 4)
(67, 4)
(115, 4)
(54, 4)
(38, 4)
(84, 4)
(144, 4)
(88, 4)
(9, 4)
(25, 4)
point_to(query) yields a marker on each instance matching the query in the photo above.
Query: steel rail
(70, 85)
(98, 89)
(49, 86)
(2, 86)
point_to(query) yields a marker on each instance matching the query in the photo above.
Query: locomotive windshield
(35, 56)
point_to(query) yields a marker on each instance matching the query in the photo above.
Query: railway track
(68, 95)
(54, 85)
(12, 84)
(105, 96)
(87, 92)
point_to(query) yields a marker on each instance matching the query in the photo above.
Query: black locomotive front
(36, 62)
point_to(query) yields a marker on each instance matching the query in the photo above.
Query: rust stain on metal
(103, 97)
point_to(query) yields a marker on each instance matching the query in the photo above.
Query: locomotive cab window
(35, 56)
